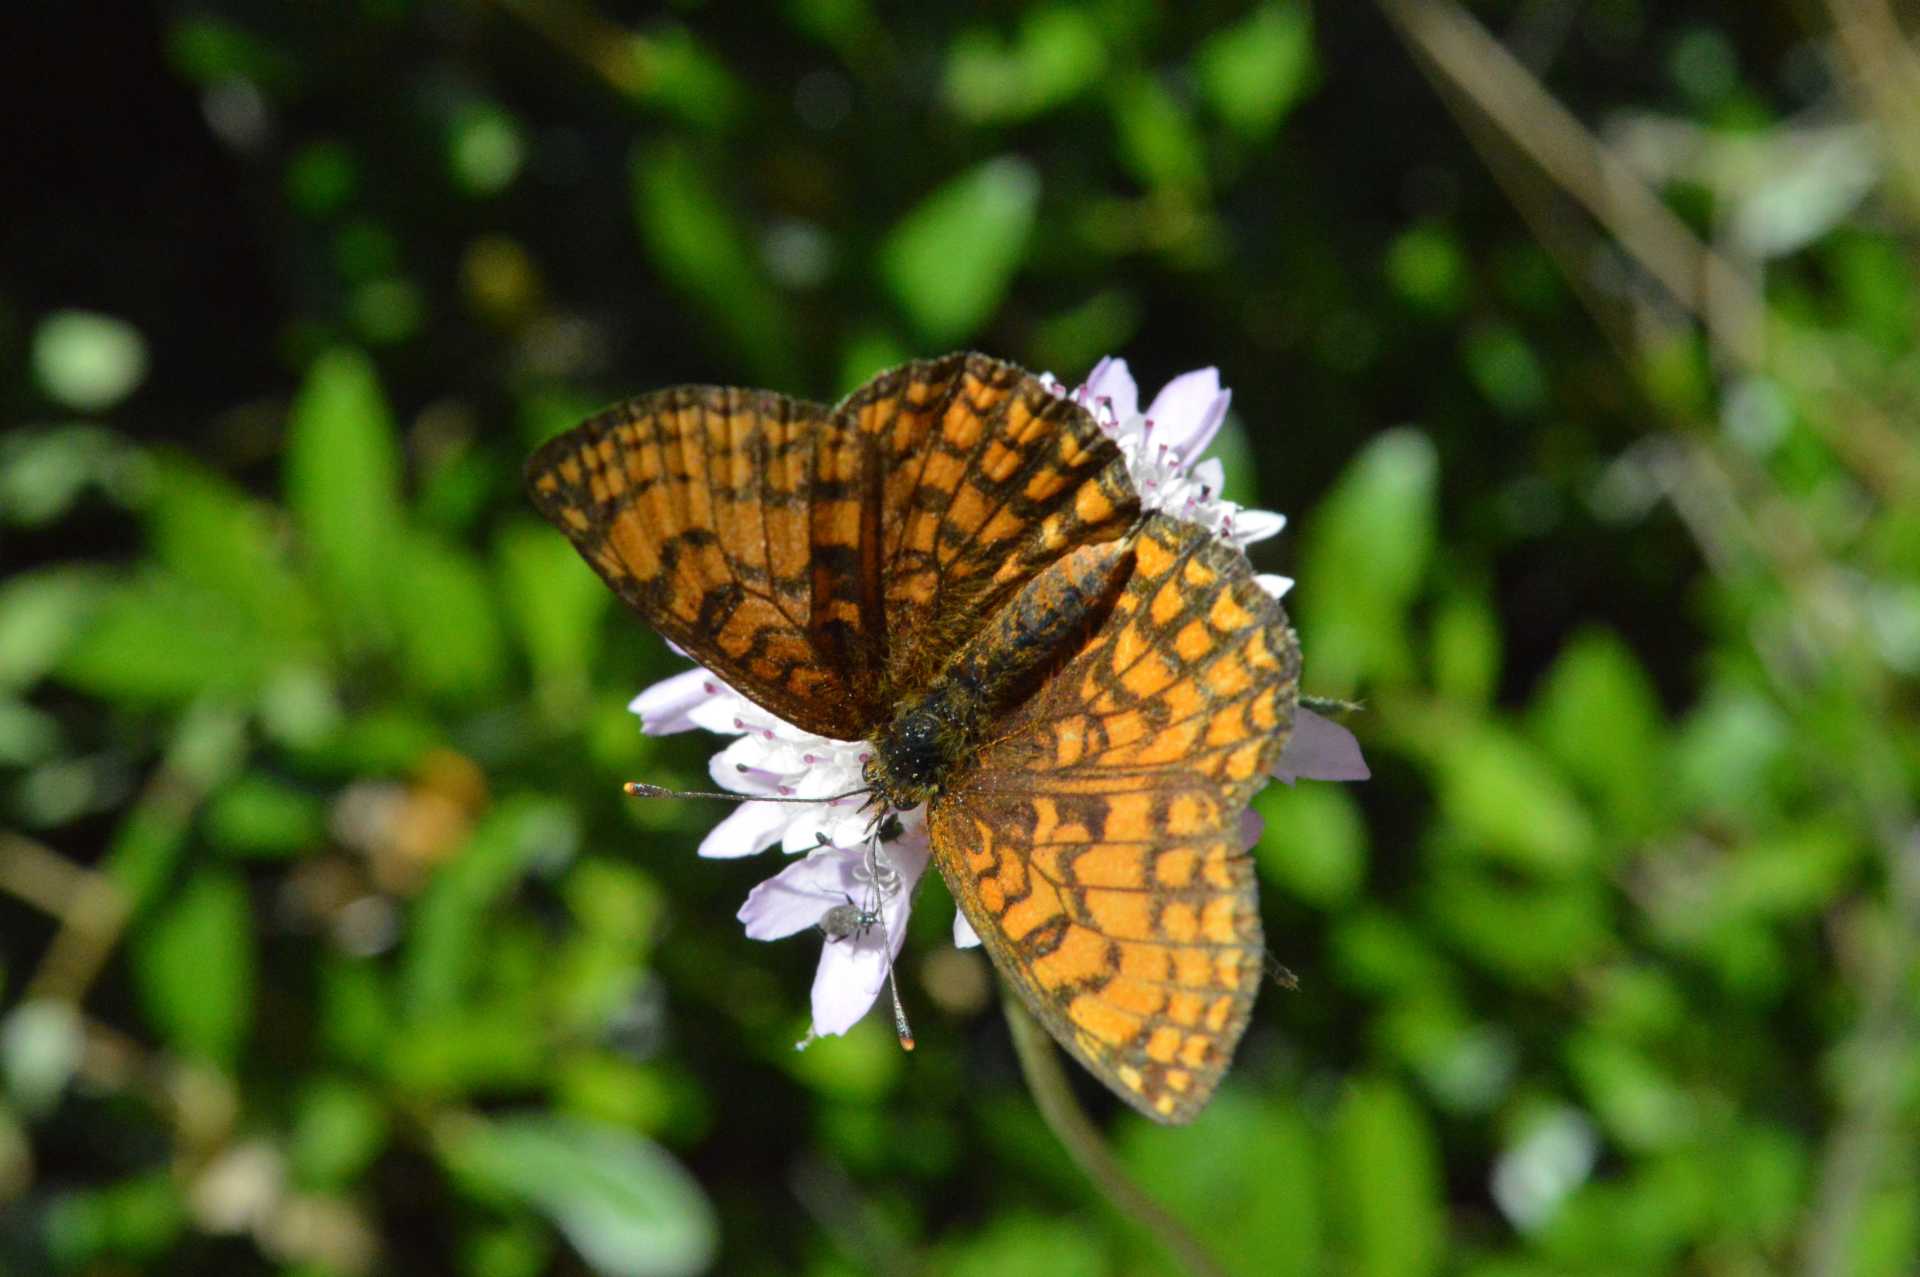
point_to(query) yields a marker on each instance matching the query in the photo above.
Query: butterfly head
(914, 755)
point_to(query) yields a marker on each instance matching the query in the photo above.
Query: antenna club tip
(906, 1044)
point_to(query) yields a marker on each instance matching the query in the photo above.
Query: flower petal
(664, 707)
(1256, 525)
(1252, 825)
(1111, 380)
(752, 828)
(1275, 586)
(847, 981)
(964, 936)
(853, 970)
(1320, 749)
(1188, 411)
(795, 898)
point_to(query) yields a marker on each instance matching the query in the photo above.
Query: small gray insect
(849, 921)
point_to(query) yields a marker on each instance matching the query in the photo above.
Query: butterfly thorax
(936, 734)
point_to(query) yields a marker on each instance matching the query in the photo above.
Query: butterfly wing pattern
(1097, 847)
(830, 563)
(825, 561)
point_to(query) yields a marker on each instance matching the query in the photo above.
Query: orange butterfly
(953, 565)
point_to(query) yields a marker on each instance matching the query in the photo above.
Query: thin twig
(90, 907)
(1463, 56)
(1884, 74)
(1053, 1092)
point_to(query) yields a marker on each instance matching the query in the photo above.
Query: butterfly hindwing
(1098, 848)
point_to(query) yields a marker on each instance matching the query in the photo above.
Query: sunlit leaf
(40, 614)
(258, 816)
(343, 473)
(1599, 716)
(193, 965)
(1385, 1186)
(1365, 554)
(694, 241)
(1314, 844)
(451, 640)
(88, 361)
(1157, 136)
(1254, 71)
(555, 602)
(949, 260)
(1256, 1198)
(623, 1202)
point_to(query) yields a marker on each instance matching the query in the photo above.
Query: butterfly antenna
(640, 789)
(900, 1025)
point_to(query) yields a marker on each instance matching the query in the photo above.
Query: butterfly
(953, 565)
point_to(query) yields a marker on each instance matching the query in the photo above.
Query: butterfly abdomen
(938, 732)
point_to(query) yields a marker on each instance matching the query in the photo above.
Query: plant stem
(1053, 1092)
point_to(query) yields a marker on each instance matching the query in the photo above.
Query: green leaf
(1365, 557)
(1256, 1195)
(1158, 140)
(40, 615)
(1077, 337)
(1026, 1243)
(1532, 935)
(1314, 843)
(338, 1129)
(1427, 269)
(451, 641)
(1599, 717)
(555, 602)
(209, 745)
(680, 76)
(1385, 1184)
(209, 533)
(950, 260)
(44, 471)
(135, 1219)
(1508, 802)
(260, 816)
(343, 477)
(624, 1203)
(1506, 370)
(1465, 648)
(1057, 55)
(88, 361)
(696, 245)
(159, 640)
(1254, 72)
(193, 966)
(1642, 1108)
(447, 945)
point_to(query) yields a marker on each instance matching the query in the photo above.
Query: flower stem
(1053, 1092)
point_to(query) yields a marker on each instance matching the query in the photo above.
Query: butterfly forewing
(827, 562)
(700, 506)
(1097, 848)
(988, 478)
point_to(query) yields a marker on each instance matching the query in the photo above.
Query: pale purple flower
(772, 758)
(1320, 749)
(853, 969)
(1162, 447)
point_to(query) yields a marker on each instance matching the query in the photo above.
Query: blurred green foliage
(328, 946)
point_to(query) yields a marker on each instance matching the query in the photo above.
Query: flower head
(1163, 445)
(771, 758)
